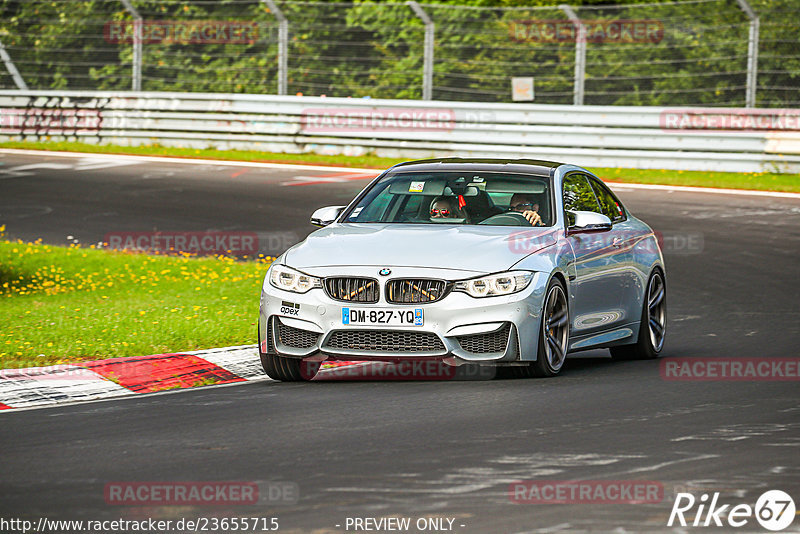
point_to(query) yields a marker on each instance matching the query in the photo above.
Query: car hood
(484, 249)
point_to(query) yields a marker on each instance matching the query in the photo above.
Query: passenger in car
(447, 208)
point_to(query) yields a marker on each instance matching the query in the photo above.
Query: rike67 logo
(774, 510)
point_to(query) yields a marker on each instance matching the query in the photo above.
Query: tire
(652, 326)
(553, 334)
(286, 369)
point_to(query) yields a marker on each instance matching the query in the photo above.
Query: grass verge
(763, 181)
(66, 305)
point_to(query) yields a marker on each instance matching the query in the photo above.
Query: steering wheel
(509, 218)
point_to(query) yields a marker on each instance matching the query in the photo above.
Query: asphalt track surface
(450, 449)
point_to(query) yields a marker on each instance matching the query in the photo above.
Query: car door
(595, 303)
(625, 236)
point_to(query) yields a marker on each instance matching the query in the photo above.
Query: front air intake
(351, 289)
(395, 341)
(415, 290)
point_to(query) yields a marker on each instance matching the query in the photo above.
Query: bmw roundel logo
(385, 271)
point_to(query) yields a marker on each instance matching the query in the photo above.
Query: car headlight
(495, 284)
(289, 279)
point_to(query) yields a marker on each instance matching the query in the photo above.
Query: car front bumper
(490, 329)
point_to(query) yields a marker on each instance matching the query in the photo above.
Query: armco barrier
(715, 139)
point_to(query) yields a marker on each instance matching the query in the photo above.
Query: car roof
(526, 166)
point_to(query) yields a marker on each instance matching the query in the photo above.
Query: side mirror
(325, 216)
(587, 221)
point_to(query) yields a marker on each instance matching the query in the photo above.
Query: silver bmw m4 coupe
(508, 263)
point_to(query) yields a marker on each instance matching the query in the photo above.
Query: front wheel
(554, 332)
(286, 369)
(653, 326)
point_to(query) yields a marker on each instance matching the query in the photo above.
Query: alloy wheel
(656, 311)
(556, 326)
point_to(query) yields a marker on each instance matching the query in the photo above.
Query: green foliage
(375, 49)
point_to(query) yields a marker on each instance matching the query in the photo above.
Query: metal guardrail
(714, 139)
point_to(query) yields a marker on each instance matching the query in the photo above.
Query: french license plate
(378, 316)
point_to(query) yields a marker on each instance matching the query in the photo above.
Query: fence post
(427, 68)
(752, 54)
(137, 45)
(580, 53)
(12, 69)
(283, 45)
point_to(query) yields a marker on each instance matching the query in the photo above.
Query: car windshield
(488, 198)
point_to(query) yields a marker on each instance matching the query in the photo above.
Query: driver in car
(527, 207)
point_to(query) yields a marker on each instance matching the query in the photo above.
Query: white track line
(255, 164)
(132, 396)
(242, 361)
(190, 161)
(713, 190)
(45, 386)
(59, 384)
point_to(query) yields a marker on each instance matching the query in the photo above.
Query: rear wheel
(653, 326)
(286, 369)
(554, 332)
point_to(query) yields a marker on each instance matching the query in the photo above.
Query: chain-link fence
(696, 52)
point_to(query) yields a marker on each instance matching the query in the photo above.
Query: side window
(578, 194)
(608, 203)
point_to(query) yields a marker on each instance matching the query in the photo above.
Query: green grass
(65, 305)
(730, 180)
(760, 181)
